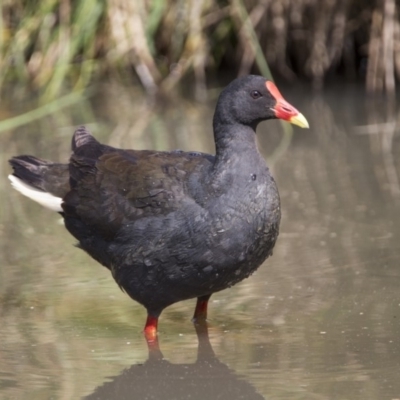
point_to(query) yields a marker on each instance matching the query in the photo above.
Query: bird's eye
(255, 94)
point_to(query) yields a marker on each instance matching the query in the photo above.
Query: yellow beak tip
(300, 121)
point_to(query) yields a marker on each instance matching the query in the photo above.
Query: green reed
(53, 44)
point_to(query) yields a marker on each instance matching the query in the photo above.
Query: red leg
(200, 312)
(150, 329)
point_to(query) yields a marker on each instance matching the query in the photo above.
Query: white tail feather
(43, 198)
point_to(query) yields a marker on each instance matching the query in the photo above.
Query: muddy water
(319, 320)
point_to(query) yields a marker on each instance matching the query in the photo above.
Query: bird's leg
(150, 329)
(200, 312)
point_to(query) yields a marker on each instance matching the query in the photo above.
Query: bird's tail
(42, 181)
(47, 182)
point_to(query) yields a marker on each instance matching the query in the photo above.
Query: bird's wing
(112, 187)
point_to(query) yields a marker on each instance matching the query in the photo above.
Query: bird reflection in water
(157, 378)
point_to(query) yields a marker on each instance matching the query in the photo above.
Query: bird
(171, 225)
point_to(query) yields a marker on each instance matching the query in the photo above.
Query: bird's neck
(234, 142)
(237, 156)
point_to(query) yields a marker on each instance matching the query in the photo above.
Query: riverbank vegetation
(51, 44)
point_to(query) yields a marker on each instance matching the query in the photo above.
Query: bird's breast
(246, 224)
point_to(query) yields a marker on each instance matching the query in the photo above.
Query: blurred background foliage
(50, 45)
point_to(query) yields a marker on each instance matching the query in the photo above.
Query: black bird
(173, 225)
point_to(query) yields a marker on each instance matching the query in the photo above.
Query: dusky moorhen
(173, 225)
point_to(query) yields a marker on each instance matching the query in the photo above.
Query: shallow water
(319, 320)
